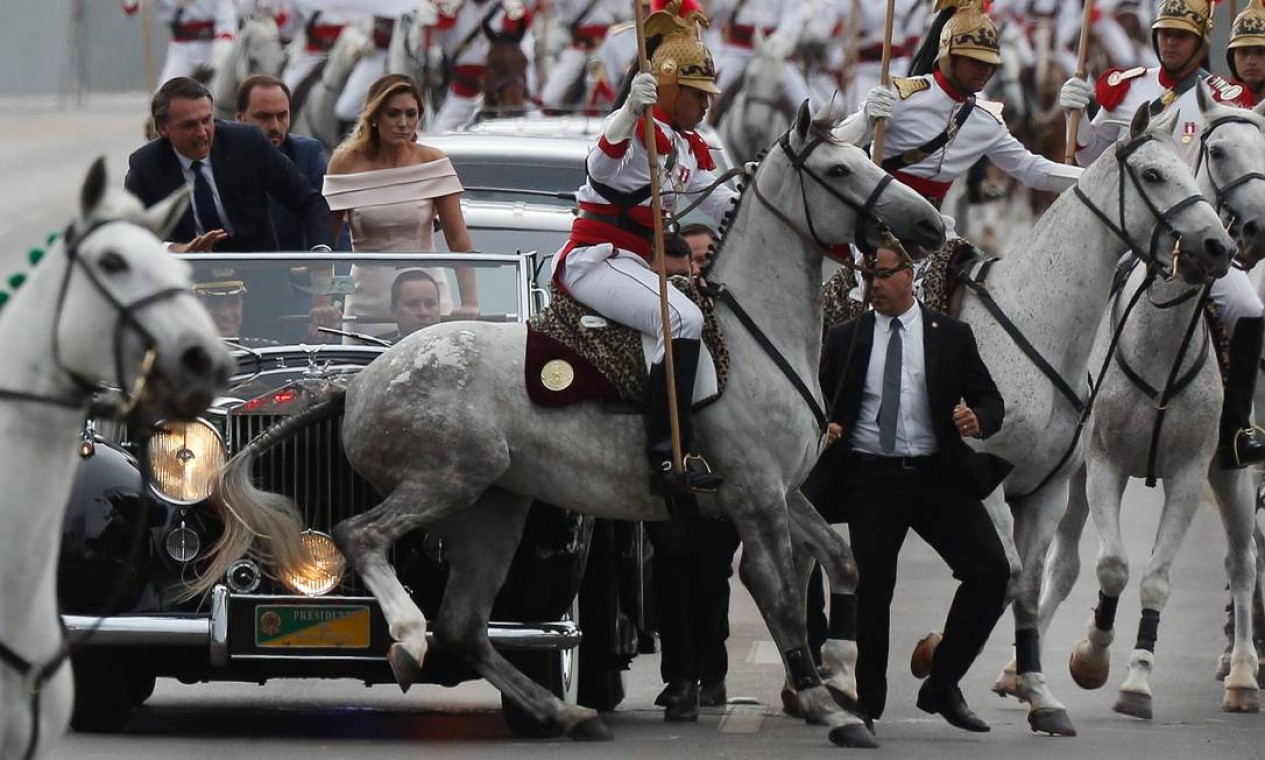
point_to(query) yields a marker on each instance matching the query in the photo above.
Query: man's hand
(834, 431)
(643, 93)
(965, 421)
(200, 244)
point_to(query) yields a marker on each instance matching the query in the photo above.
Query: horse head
(125, 314)
(263, 52)
(843, 196)
(1231, 169)
(1145, 192)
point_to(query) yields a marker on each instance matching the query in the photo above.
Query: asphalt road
(44, 152)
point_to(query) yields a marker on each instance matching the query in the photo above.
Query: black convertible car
(129, 547)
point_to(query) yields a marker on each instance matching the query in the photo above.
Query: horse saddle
(575, 354)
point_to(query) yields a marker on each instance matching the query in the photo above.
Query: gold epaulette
(907, 87)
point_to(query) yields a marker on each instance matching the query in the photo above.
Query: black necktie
(204, 200)
(889, 406)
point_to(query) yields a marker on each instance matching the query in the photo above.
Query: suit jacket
(248, 171)
(954, 370)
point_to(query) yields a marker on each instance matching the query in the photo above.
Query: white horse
(315, 104)
(106, 304)
(256, 49)
(442, 425)
(759, 110)
(1169, 369)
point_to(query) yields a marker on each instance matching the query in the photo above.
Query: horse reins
(36, 675)
(1222, 192)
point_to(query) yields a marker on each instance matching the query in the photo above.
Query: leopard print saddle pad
(575, 354)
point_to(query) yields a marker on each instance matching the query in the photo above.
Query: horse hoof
(1085, 672)
(1053, 722)
(920, 660)
(842, 698)
(1241, 701)
(1133, 703)
(406, 669)
(590, 730)
(853, 735)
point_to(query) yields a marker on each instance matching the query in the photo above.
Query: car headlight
(322, 570)
(185, 458)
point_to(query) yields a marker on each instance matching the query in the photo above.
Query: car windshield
(260, 300)
(502, 178)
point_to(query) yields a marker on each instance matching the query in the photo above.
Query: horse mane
(726, 221)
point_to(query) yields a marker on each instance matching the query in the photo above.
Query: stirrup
(696, 477)
(1247, 447)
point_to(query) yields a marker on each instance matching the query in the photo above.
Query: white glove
(1075, 94)
(880, 102)
(643, 93)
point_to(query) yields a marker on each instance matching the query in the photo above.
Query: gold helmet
(969, 32)
(680, 58)
(1194, 16)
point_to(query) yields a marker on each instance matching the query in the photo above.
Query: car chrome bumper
(212, 632)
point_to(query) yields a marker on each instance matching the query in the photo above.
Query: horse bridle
(1163, 219)
(865, 213)
(36, 675)
(1221, 193)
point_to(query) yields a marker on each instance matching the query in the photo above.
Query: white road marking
(742, 719)
(764, 653)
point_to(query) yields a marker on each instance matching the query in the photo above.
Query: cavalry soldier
(605, 264)
(201, 33)
(910, 19)
(320, 32)
(588, 22)
(742, 20)
(936, 126)
(1245, 54)
(1181, 36)
(462, 33)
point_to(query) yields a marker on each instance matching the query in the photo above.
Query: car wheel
(104, 693)
(558, 671)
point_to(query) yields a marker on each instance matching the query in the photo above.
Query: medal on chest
(1189, 130)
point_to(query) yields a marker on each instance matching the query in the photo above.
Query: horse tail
(266, 525)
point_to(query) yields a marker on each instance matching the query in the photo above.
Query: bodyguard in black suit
(914, 387)
(234, 170)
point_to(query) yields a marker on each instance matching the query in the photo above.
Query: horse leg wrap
(1027, 652)
(1148, 630)
(1105, 612)
(803, 672)
(843, 616)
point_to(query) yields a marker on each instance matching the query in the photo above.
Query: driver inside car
(222, 292)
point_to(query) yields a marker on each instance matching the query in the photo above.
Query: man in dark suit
(912, 388)
(264, 101)
(233, 170)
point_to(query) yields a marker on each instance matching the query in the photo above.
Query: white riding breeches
(299, 67)
(620, 285)
(1235, 299)
(351, 101)
(568, 68)
(455, 112)
(184, 58)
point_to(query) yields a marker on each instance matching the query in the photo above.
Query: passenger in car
(414, 302)
(222, 292)
(390, 190)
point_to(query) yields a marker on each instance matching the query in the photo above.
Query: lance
(1074, 118)
(885, 79)
(656, 209)
(848, 79)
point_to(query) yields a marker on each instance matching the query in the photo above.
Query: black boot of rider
(697, 476)
(1241, 443)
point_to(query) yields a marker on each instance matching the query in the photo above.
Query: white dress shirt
(186, 167)
(915, 436)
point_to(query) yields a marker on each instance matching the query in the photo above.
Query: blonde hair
(364, 138)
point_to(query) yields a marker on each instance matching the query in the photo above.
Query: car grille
(309, 467)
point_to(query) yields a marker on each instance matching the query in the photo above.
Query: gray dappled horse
(759, 110)
(1163, 348)
(256, 49)
(106, 304)
(441, 424)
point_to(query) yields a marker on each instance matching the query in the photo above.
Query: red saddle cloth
(585, 382)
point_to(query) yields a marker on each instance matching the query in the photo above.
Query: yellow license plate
(312, 627)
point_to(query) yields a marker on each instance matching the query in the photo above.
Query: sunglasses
(882, 273)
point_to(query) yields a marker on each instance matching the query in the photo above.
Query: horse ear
(1141, 121)
(93, 188)
(1203, 98)
(803, 120)
(161, 218)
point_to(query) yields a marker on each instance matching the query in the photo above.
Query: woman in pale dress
(389, 189)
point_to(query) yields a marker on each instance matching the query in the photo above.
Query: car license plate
(312, 626)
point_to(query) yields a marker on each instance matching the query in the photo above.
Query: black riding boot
(1241, 443)
(697, 475)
